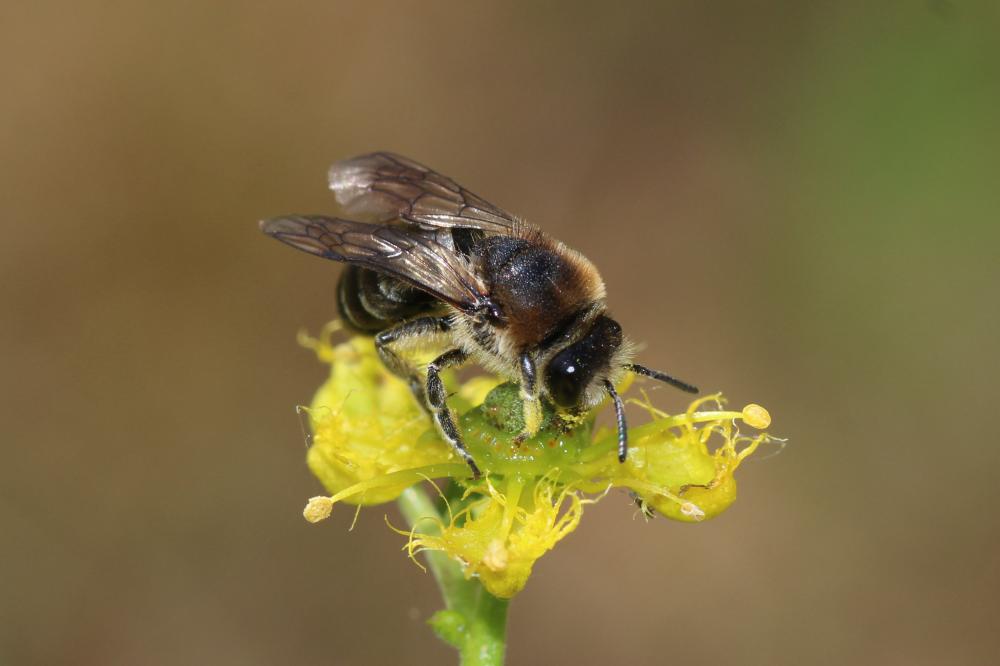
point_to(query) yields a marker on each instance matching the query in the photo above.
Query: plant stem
(474, 622)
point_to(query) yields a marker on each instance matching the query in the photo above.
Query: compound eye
(565, 379)
(572, 370)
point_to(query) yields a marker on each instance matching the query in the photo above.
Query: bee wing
(386, 186)
(409, 254)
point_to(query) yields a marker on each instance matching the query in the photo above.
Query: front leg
(437, 402)
(532, 404)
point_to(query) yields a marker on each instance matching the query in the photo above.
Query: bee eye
(563, 379)
(571, 371)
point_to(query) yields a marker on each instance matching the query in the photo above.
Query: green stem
(474, 622)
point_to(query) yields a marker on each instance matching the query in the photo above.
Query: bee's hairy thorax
(537, 283)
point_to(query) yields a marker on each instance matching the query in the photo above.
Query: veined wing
(409, 254)
(385, 186)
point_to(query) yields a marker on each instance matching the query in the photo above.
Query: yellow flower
(498, 535)
(371, 441)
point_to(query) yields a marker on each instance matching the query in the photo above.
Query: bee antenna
(660, 376)
(620, 418)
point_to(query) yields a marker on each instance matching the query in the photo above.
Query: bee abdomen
(370, 302)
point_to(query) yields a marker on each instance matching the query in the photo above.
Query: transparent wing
(411, 255)
(384, 186)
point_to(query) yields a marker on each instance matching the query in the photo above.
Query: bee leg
(437, 401)
(422, 327)
(620, 418)
(531, 402)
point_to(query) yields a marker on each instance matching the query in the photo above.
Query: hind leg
(409, 332)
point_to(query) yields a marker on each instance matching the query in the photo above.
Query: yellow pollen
(318, 508)
(756, 416)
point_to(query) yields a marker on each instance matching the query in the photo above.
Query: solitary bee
(433, 262)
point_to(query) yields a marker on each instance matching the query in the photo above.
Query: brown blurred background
(792, 202)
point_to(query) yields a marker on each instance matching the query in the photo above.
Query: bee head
(574, 376)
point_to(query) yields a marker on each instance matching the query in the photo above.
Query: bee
(429, 262)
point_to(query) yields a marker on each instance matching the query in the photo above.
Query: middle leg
(437, 401)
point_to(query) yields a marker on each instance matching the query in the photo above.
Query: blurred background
(795, 203)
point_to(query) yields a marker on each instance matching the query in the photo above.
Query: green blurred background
(795, 203)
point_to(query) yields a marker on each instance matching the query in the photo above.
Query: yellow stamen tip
(756, 416)
(318, 508)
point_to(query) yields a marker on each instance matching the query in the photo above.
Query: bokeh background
(795, 203)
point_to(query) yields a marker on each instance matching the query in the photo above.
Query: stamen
(756, 416)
